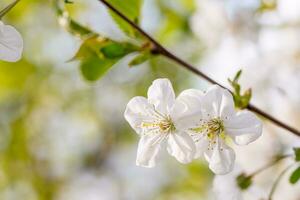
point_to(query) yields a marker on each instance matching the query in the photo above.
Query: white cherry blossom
(159, 120)
(11, 43)
(218, 122)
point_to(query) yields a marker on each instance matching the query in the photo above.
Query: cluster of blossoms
(193, 125)
(11, 43)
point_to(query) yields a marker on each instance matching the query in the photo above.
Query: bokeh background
(64, 138)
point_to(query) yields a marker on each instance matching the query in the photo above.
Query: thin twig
(274, 186)
(272, 163)
(163, 51)
(8, 8)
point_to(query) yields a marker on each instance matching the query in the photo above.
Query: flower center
(161, 123)
(214, 128)
(211, 128)
(166, 125)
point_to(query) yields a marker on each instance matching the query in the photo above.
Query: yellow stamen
(213, 129)
(165, 125)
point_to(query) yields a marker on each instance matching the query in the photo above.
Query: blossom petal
(218, 102)
(201, 143)
(221, 158)
(244, 127)
(138, 110)
(181, 146)
(148, 149)
(161, 95)
(186, 112)
(225, 186)
(192, 93)
(11, 43)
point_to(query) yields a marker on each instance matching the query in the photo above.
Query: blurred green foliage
(98, 55)
(295, 176)
(198, 177)
(175, 23)
(13, 79)
(297, 154)
(46, 98)
(244, 181)
(34, 89)
(141, 58)
(132, 10)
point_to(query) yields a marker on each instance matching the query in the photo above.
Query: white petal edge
(137, 111)
(244, 127)
(192, 93)
(221, 158)
(201, 144)
(218, 102)
(148, 148)
(161, 95)
(187, 111)
(11, 43)
(181, 146)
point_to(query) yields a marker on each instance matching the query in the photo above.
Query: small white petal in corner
(11, 43)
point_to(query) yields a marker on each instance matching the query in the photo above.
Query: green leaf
(104, 48)
(117, 50)
(70, 25)
(267, 6)
(69, 2)
(174, 24)
(237, 76)
(241, 100)
(294, 178)
(93, 68)
(243, 181)
(90, 48)
(78, 29)
(297, 154)
(99, 54)
(141, 58)
(123, 25)
(131, 9)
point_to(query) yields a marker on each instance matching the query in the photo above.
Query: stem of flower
(163, 51)
(270, 164)
(275, 184)
(4, 11)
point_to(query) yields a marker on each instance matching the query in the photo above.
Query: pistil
(212, 129)
(162, 124)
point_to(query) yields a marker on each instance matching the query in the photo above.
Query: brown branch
(163, 51)
(8, 8)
